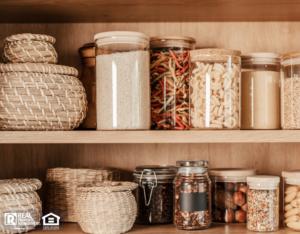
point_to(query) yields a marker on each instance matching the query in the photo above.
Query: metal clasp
(151, 184)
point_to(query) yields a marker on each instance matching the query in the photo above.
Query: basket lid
(295, 174)
(120, 34)
(240, 172)
(264, 179)
(14, 186)
(108, 187)
(29, 36)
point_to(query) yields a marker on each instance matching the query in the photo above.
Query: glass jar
(155, 194)
(290, 91)
(88, 80)
(291, 201)
(192, 191)
(123, 86)
(263, 203)
(260, 91)
(215, 89)
(169, 70)
(229, 194)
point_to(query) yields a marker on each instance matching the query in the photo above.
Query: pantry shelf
(71, 11)
(106, 137)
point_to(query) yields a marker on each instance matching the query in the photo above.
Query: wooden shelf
(67, 11)
(106, 137)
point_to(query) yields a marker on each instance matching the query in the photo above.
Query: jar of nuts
(229, 192)
(192, 190)
(215, 89)
(291, 202)
(154, 194)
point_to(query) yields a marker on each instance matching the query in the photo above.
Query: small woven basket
(19, 196)
(62, 187)
(107, 208)
(29, 48)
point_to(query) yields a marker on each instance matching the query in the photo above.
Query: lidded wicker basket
(19, 196)
(62, 187)
(106, 208)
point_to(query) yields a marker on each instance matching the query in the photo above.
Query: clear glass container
(215, 89)
(229, 194)
(260, 91)
(155, 193)
(169, 71)
(88, 80)
(291, 201)
(192, 195)
(123, 85)
(263, 203)
(290, 91)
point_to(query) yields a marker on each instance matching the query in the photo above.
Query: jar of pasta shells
(291, 201)
(215, 89)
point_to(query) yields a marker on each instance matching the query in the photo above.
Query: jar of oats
(290, 91)
(291, 202)
(263, 203)
(215, 89)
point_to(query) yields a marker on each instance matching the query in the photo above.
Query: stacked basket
(35, 93)
(18, 196)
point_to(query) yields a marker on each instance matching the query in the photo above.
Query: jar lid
(291, 174)
(158, 169)
(264, 179)
(216, 55)
(261, 55)
(242, 172)
(161, 38)
(192, 163)
(87, 50)
(215, 51)
(290, 55)
(120, 34)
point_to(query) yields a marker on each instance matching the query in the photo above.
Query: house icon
(51, 220)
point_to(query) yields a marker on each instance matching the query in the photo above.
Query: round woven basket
(62, 187)
(29, 48)
(109, 208)
(52, 100)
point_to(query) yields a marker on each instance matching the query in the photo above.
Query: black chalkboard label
(193, 201)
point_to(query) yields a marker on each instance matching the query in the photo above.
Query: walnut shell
(224, 200)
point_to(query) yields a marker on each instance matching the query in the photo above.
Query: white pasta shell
(292, 212)
(294, 218)
(296, 202)
(294, 225)
(288, 207)
(292, 188)
(290, 197)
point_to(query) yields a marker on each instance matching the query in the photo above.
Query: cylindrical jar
(88, 80)
(291, 201)
(154, 194)
(260, 91)
(290, 91)
(169, 70)
(229, 194)
(123, 86)
(215, 89)
(263, 203)
(192, 190)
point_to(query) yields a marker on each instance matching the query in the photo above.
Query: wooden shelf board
(96, 137)
(77, 11)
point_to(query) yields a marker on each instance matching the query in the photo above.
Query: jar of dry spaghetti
(215, 89)
(169, 71)
(192, 191)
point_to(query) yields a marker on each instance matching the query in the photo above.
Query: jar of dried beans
(290, 91)
(169, 71)
(215, 89)
(122, 81)
(291, 201)
(154, 194)
(263, 203)
(192, 189)
(229, 194)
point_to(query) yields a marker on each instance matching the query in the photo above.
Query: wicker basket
(109, 208)
(18, 195)
(52, 100)
(29, 48)
(62, 187)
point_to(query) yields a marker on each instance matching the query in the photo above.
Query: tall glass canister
(123, 86)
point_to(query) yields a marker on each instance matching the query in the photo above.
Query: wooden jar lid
(215, 55)
(290, 55)
(231, 172)
(263, 179)
(295, 174)
(87, 50)
(180, 38)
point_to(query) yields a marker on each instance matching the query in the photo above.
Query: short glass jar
(291, 201)
(192, 191)
(169, 70)
(123, 86)
(229, 194)
(215, 89)
(263, 203)
(154, 194)
(260, 91)
(290, 91)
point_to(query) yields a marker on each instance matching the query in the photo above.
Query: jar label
(193, 201)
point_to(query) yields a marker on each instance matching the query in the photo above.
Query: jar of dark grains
(192, 189)
(155, 193)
